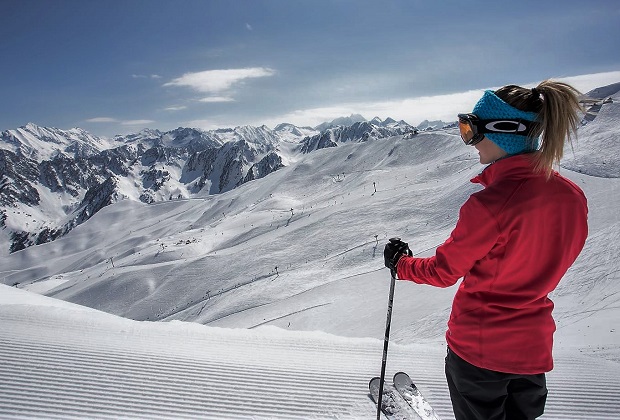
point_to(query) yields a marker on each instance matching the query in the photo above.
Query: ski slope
(62, 360)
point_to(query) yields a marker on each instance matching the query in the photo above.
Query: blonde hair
(559, 113)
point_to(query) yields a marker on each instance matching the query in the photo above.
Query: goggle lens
(467, 133)
(469, 129)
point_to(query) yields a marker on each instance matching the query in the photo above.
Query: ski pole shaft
(386, 341)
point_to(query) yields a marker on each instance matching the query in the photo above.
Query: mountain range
(52, 180)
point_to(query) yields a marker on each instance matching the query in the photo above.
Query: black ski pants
(482, 394)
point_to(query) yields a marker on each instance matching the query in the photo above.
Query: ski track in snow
(66, 363)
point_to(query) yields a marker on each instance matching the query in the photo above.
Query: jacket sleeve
(474, 235)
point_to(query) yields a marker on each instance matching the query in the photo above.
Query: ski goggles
(473, 129)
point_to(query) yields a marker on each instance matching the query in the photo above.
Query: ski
(412, 395)
(393, 405)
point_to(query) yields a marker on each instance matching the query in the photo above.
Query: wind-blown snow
(268, 265)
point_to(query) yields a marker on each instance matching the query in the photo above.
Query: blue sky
(117, 66)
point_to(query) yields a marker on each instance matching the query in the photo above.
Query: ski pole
(388, 323)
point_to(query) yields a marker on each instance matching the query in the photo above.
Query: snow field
(67, 362)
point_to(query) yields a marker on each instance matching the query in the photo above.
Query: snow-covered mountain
(266, 265)
(292, 133)
(342, 121)
(52, 180)
(427, 125)
(191, 139)
(359, 131)
(43, 143)
(389, 122)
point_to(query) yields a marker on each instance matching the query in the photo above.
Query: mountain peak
(31, 126)
(431, 125)
(345, 121)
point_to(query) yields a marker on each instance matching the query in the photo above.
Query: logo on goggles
(505, 126)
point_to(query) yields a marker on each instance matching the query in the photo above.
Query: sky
(116, 66)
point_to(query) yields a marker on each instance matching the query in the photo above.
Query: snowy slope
(597, 150)
(65, 361)
(226, 247)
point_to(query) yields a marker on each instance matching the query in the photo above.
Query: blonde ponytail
(559, 112)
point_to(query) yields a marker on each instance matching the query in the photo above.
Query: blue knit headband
(490, 107)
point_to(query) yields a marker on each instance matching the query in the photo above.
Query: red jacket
(512, 244)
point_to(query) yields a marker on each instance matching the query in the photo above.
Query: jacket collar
(517, 166)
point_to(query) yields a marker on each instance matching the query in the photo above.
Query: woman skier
(513, 242)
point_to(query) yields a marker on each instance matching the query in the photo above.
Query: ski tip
(402, 375)
(403, 379)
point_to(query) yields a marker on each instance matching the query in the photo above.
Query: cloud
(175, 108)
(217, 99)
(137, 122)
(217, 81)
(249, 27)
(142, 76)
(117, 121)
(102, 120)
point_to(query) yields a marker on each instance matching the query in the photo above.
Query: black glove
(395, 249)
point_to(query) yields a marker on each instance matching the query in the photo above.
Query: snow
(28, 140)
(62, 360)
(285, 275)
